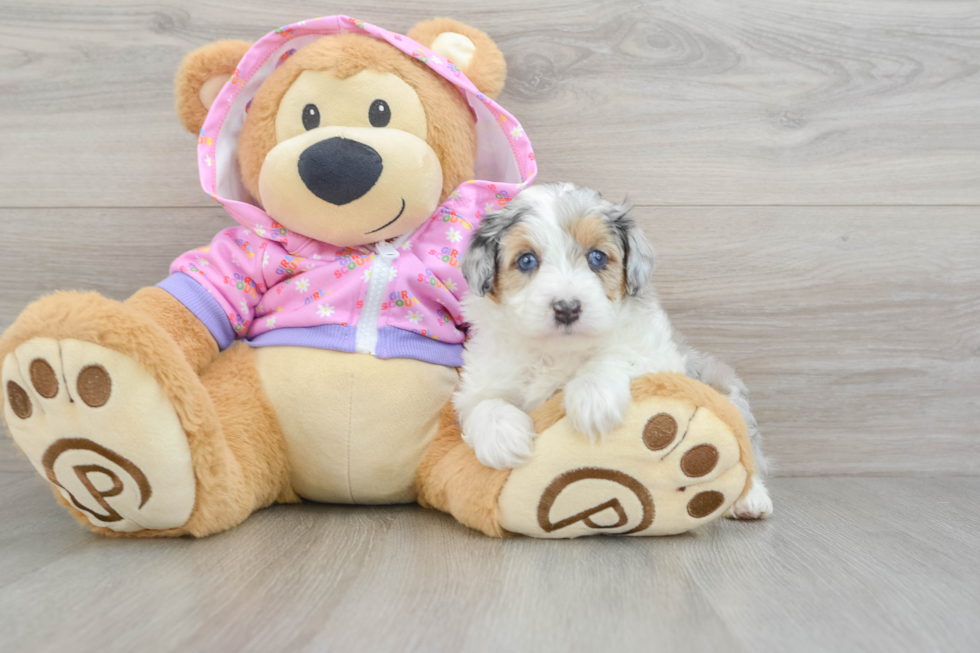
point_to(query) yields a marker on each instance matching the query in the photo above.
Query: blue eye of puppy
(597, 259)
(379, 114)
(311, 117)
(527, 262)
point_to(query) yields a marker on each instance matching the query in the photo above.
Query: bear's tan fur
(234, 434)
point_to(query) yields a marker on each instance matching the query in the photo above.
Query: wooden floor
(810, 175)
(847, 564)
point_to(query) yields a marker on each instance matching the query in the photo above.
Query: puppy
(561, 298)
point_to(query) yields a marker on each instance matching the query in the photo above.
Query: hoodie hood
(504, 162)
(271, 287)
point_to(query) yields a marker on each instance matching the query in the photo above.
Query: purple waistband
(392, 342)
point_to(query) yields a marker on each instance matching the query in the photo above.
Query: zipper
(367, 323)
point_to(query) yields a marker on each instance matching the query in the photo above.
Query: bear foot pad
(101, 431)
(670, 467)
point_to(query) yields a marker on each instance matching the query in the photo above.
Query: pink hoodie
(399, 299)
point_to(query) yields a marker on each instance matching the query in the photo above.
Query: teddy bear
(311, 350)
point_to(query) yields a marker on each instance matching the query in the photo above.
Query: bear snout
(340, 170)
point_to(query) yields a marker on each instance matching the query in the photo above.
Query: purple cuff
(200, 302)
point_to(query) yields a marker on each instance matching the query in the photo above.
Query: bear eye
(597, 260)
(527, 262)
(311, 117)
(379, 114)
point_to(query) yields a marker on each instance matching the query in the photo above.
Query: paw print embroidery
(68, 404)
(672, 465)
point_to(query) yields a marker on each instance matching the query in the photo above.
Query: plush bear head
(350, 141)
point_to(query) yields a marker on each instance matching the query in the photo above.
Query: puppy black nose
(339, 170)
(566, 311)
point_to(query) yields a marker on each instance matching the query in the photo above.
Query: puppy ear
(481, 259)
(640, 257)
(200, 78)
(471, 50)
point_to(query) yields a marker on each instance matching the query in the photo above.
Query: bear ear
(472, 50)
(200, 78)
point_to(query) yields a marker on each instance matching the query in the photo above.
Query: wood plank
(675, 102)
(844, 565)
(855, 328)
(12, 461)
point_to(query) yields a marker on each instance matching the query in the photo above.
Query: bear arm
(184, 327)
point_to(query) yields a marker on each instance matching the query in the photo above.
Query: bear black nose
(339, 170)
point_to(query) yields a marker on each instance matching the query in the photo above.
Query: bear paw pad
(672, 466)
(101, 431)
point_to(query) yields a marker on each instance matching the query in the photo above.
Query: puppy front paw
(597, 404)
(501, 434)
(756, 504)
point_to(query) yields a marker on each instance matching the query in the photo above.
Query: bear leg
(680, 459)
(452, 480)
(109, 411)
